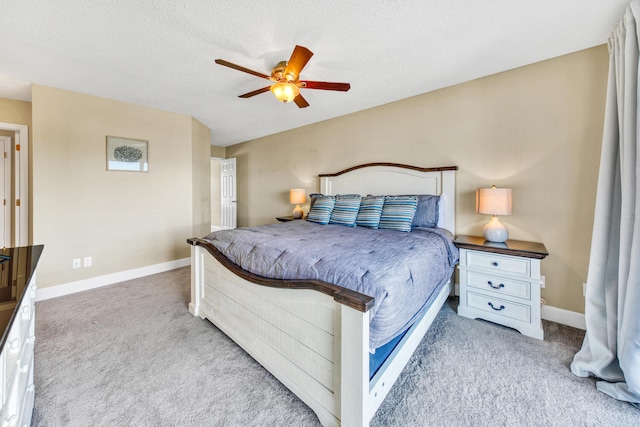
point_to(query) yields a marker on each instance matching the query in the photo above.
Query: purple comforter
(400, 270)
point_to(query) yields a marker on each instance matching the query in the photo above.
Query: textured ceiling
(160, 53)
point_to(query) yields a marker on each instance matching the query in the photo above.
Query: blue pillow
(321, 210)
(312, 199)
(370, 211)
(398, 212)
(427, 211)
(345, 210)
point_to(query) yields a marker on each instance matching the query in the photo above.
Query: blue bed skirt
(377, 359)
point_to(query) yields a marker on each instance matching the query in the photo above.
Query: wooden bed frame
(314, 336)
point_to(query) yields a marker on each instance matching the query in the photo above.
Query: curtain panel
(611, 348)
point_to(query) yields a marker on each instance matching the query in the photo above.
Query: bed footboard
(314, 344)
(313, 337)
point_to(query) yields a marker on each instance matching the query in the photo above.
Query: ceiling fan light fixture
(284, 91)
(285, 81)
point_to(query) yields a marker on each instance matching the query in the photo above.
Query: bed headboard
(396, 179)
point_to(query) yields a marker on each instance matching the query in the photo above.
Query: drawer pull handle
(494, 286)
(496, 309)
(494, 263)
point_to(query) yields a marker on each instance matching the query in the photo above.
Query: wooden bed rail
(396, 165)
(353, 299)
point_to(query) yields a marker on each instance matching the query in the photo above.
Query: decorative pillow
(441, 210)
(321, 210)
(312, 198)
(345, 210)
(427, 211)
(370, 211)
(398, 212)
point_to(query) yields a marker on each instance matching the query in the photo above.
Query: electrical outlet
(542, 282)
(88, 262)
(76, 263)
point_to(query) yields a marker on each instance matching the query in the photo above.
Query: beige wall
(218, 152)
(124, 220)
(201, 170)
(16, 112)
(536, 129)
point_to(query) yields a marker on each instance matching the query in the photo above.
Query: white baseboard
(555, 314)
(216, 228)
(108, 279)
(564, 317)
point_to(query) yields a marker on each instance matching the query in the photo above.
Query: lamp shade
(284, 91)
(493, 201)
(297, 196)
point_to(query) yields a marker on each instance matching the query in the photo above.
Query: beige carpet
(132, 355)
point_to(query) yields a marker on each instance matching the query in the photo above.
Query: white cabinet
(500, 282)
(17, 391)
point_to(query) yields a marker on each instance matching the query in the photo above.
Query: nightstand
(500, 282)
(286, 218)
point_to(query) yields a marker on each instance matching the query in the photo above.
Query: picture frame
(127, 154)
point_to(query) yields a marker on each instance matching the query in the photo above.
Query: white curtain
(611, 348)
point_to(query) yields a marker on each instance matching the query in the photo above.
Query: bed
(314, 336)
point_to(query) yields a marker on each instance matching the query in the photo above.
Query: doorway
(18, 203)
(223, 194)
(6, 144)
(216, 197)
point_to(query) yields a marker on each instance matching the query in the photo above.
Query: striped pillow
(398, 212)
(312, 198)
(370, 211)
(321, 210)
(346, 210)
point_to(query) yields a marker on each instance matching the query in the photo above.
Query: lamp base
(297, 212)
(495, 231)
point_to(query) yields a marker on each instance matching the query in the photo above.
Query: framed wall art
(127, 154)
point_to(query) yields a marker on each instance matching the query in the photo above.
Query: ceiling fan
(286, 78)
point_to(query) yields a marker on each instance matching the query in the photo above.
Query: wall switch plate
(76, 263)
(88, 262)
(542, 282)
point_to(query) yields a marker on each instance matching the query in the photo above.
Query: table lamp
(494, 201)
(297, 196)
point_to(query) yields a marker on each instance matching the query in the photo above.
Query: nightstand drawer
(499, 263)
(499, 307)
(499, 285)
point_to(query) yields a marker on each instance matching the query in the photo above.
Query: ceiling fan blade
(308, 84)
(240, 68)
(300, 101)
(298, 60)
(255, 92)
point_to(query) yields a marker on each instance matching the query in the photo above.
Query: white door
(5, 191)
(228, 182)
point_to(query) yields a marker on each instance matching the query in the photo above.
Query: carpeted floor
(132, 355)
